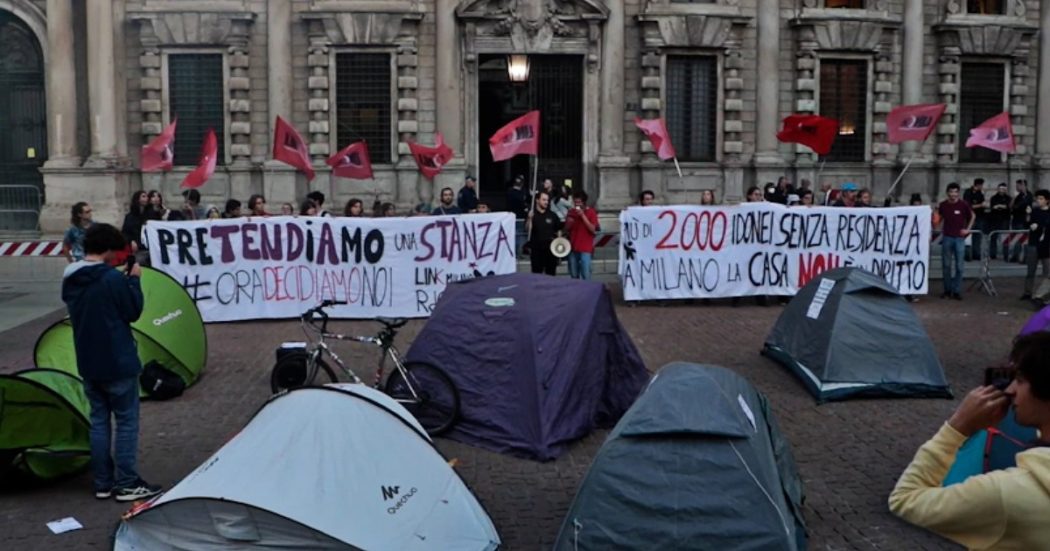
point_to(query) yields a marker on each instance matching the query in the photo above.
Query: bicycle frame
(384, 341)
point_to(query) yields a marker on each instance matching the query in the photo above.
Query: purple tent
(539, 361)
(1040, 321)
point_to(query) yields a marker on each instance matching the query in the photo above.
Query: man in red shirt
(581, 224)
(956, 220)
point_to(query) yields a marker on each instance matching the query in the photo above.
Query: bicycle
(425, 390)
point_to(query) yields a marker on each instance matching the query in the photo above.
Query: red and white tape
(606, 240)
(31, 248)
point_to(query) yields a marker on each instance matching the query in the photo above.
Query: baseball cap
(849, 186)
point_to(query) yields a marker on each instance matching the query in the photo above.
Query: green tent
(43, 425)
(170, 331)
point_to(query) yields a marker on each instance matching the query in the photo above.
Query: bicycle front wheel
(291, 372)
(428, 394)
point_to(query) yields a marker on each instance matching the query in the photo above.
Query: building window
(196, 97)
(982, 93)
(847, 4)
(692, 101)
(362, 102)
(986, 7)
(844, 97)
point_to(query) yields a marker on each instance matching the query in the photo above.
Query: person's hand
(1034, 227)
(136, 270)
(964, 232)
(983, 407)
(134, 247)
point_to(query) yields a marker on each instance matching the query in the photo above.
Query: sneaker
(1026, 296)
(945, 295)
(141, 490)
(956, 296)
(104, 494)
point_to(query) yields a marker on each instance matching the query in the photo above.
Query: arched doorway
(23, 124)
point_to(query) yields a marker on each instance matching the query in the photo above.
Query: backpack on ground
(160, 383)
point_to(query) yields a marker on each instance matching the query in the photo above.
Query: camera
(999, 377)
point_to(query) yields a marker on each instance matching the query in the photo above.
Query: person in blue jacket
(102, 304)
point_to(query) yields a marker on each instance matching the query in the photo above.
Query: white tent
(337, 467)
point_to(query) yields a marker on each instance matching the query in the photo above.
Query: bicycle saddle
(392, 323)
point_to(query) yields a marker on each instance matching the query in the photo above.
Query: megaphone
(561, 247)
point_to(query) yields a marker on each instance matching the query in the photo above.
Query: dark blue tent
(698, 462)
(539, 361)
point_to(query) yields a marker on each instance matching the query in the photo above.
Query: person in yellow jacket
(1002, 510)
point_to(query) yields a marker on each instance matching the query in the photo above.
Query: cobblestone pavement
(849, 454)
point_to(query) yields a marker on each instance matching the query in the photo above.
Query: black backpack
(160, 383)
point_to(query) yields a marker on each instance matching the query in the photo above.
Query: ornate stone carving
(533, 25)
(996, 40)
(366, 28)
(193, 28)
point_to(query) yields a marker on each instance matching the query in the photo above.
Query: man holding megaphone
(543, 226)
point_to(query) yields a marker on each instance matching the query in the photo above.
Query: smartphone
(129, 263)
(999, 377)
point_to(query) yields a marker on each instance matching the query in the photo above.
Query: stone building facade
(722, 72)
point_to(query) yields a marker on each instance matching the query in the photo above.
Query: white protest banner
(278, 267)
(766, 248)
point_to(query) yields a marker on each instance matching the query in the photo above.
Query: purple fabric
(1040, 321)
(533, 375)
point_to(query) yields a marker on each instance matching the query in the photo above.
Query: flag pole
(900, 176)
(820, 170)
(677, 167)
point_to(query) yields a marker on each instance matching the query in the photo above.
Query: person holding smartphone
(581, 224)
(102, 304)
(1004, 509)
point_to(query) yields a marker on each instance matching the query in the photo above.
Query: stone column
(61, 85)
(768, 101)
(1042, 147)
(101, 64)
(612, 108)
(1043, 120)
(280, 183)
(279, 54)
(614, 186)
(447, 75)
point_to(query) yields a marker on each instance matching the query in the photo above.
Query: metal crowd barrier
(20, 207)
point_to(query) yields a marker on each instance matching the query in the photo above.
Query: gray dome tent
(848, 333)
(696, 463)
(334, 467)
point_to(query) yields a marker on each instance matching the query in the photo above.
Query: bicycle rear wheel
(290, 372)
(437, 405)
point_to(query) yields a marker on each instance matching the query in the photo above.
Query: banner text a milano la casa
(767, 249)
(278, 267)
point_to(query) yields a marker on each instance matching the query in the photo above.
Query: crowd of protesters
(554, 211)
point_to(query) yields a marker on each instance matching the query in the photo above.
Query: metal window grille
(844, 97)
(197, 100)
(982, 89)
(692, 101)
(986, 7)
(362, 102)
(847, 4)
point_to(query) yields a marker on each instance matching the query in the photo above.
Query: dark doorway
(23, 118)
(555, 88)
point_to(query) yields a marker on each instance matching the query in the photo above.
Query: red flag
(520, 136)
(431, 159)
(289, 147)
(656, 131)
(995, 133)
(206, 166)
(157, 154)
(814, 131)
(352, 162)
(913, 122)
